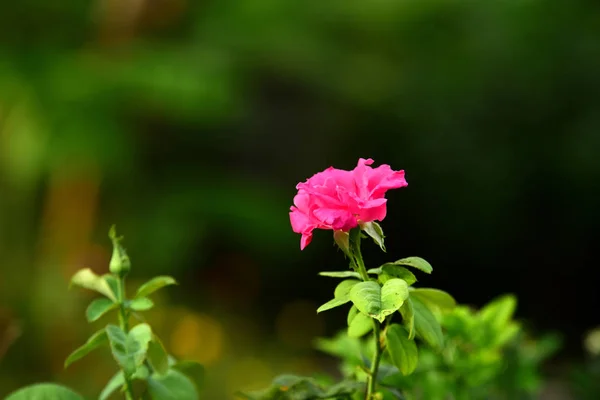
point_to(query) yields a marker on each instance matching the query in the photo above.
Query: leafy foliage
(153, 285)
(129, 348)
(96, 340)
(173, 385)
(427, 327)
(341, 295)
(98, 308)
(414, 262)
(138, 352)
(44, 391)
(87, 279)
(379, 301)
(359, 324)
(480, 358)
(291, 387)
(402, 350)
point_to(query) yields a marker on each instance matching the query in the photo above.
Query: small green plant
(486, 355)
(402, 341)
(146, 370)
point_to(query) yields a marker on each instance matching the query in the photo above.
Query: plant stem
(372, 381)
(372, 377)
(124, 324)
(358, 259)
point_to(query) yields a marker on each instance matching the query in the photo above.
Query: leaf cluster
(468, 353)
(387, 293)
(139, 352)
(390, 293)
(486, 354)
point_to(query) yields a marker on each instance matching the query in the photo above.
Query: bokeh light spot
(592, 342)
(199, 337)
(249, 374)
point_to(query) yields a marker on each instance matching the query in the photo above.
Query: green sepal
(341, 295)
(379, 301)
(373, 229)
(342, 240)
(87, 279)
(96, 340)
(153, 285)
(120, 264)
(98, 308)
(402, 350)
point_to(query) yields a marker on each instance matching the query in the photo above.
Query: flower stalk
(359, 265)
(124, 325)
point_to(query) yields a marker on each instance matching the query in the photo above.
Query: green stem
(372, 377)
(358, 259)
(124, 324)
(376, 360)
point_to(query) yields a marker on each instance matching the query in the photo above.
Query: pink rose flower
(339, 200)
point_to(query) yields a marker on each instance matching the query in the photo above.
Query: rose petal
(301, 222)
(382, 179)
(336, 199)
(335, 219)
(305, 240)
(374, 210)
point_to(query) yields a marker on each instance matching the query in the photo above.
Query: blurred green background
(188, 124)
